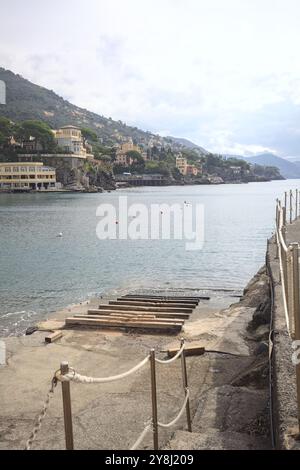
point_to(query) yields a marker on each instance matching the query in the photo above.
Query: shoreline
(101, 190)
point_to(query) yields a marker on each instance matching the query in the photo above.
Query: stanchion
(66, 396)
(296, 208)
(291, 206)
(154, 399)
(283, 221)
(285, 199)
(185, 386)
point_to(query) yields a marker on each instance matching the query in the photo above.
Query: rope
(171, 423)
(282, 244)
(38, 423)
(283, 288)
(83, 379)
(168, 361)
(142, 436)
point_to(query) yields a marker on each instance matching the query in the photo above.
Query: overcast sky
(223, 73)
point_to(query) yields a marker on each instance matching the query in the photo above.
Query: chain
(38, 423)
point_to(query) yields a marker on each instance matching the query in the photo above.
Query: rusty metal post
(66, 395)
(185, 386)
(296, 310)
(154, 399)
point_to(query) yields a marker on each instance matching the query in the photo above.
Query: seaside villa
(27, 176)
(184, 168)
(70, 139)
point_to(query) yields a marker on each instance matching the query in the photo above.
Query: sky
(222, 73)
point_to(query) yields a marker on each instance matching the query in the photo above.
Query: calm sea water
(40, 272)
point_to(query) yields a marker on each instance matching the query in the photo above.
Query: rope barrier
(83, 379)
(283, 288)
(168, 361)
(73, 376)
(282, 244)
(171, 423)
(38, 423)
(142, 436)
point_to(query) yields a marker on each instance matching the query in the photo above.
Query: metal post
(296, 208)
(291, 206)
(185, 386)
(66, 396)
(296, 309)
(154, 399)
(285, 199)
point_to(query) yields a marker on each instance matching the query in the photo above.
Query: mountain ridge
(27, 100)
(287, 168)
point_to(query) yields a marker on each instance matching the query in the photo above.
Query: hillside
(287, 168)
(26, 100)
(188, 144)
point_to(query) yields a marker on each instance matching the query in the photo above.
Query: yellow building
(181, 164)
(27, 175)
(186, 169)
(121, 157)
(70, 139)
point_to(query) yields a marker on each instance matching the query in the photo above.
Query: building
(31, 145)
(70, 140)
(181, 164)
(186, 169)
(123, 149)
(236, 170)
(123, 159)
(27, 175)
(191, 170)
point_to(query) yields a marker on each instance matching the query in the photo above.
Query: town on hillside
(34, 157)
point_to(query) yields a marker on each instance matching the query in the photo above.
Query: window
(7, 169)
(15, 169)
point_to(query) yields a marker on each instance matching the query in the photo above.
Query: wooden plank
(150, 304)
(184, 316)
(120, 324)
(160, 299)
(166, 297)
(53, 336)
(145, 309)
(130, 318)
(189, 351)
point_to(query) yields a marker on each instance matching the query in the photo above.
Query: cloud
(224, 74)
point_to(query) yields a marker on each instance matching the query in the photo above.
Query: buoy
(59, 234)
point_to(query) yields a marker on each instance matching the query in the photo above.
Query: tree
(6, 130)
(89, 134)
(40, 131)
(212, 162)
(136, 157)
